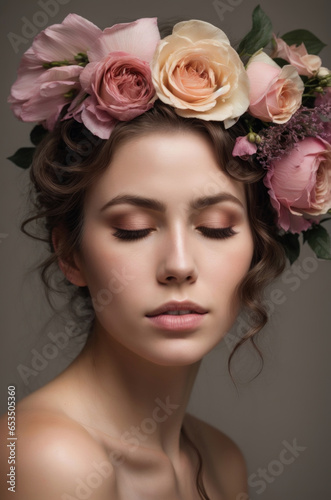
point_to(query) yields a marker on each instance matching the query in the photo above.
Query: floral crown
(75, 70)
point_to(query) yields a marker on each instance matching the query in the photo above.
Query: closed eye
(130, 235)
(208, 232)
(220, 233)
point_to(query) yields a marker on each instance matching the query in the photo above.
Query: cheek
(226, 273)
(107, 272)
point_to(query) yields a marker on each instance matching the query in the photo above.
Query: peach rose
(297, 56)
(196, 71)
(276, 93)
(300, 183)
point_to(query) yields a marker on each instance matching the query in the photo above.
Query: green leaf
(291, 246)
(23, 157)
(259, 36)
(324, 220)
(312, 43)
(318, 239)
(281, 62)
(37, 134)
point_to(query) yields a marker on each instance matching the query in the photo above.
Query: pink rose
(244, 148)
(121, 88)
(300, 183)
(39, 94)
(297, 56)
(275, 92)
(118, 77)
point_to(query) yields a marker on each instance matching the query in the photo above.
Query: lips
(175, 308)
(178, 317)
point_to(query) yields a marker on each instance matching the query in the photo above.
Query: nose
(176, 261)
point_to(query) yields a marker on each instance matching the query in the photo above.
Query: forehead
(171, 166)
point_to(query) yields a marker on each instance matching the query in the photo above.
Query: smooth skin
(100, 424)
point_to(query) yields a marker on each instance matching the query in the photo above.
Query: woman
(166, 236)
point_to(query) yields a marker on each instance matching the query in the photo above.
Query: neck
(131, 396)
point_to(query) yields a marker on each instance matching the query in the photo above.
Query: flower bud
(258, 139)
(322, 72)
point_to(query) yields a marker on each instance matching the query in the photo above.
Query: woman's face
(163, 227)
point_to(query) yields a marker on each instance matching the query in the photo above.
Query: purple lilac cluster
(278, 140)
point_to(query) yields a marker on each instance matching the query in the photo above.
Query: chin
(179, 352)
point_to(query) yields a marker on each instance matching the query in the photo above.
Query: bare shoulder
(55, 458)
(222, 456)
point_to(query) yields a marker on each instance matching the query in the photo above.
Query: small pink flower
(54, 89)
(39, 94)
(118, 78)
(244, 148)
(275, 92)
(297, 56)
(300, 183)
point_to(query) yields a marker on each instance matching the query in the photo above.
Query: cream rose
(196, 71)
(275, 92)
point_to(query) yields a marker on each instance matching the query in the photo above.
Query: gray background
(291, 399)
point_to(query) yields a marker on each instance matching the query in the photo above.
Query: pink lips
(192, 318)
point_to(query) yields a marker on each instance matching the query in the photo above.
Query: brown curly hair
(70, 159)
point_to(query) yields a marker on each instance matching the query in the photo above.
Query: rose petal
(196, 31)
(43, 108)
(25, 85)
(262, 57)
(63, 41)
(87, 75)
(138, 38)
(100, 128)
(261, 76)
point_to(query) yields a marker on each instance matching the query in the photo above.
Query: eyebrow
(152, 204)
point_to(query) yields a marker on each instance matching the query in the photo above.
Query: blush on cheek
(237, 272)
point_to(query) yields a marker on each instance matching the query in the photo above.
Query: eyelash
(124, 234)
(208, 232)
(220, 233)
